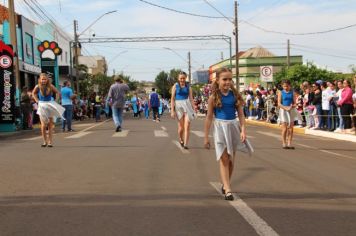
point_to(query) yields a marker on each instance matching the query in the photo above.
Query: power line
(306, 33)
(249, 23)
(324, 54)
(212, 6)
(181, 12)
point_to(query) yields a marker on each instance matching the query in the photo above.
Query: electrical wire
(217, 10)
(306, 33)
(324, 54)
(181, 12)
(251, 24)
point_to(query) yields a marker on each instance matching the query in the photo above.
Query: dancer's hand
(173, 115)
(243, 136)
(207, 144)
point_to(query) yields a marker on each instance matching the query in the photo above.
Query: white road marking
(306, 146)
(34, 138)
(258, 224)
(160, 133)
(81, 125)
(200, 134)
(121, 134)
(79, 135)
(93, 126)
(270, 134)
(164, 128)
(338, 154)
(184, 151)
(251, 137)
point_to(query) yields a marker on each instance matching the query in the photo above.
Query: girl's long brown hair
(216, 93)
(46, 89)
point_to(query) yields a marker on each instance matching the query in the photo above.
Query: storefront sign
(7, 84)
(31, 68)
(49, 52)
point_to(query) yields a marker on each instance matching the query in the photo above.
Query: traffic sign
(266, 73)
(5, 61)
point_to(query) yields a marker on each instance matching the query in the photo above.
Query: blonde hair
(44, 89)
(216, 93)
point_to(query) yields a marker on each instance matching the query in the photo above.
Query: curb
(274, 126)
(304, 131)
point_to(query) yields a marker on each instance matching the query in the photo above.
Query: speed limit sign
(266, 73)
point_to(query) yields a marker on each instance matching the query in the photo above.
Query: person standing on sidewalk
(182, 108)
(287, 113)
(47, 108)
(154, 104)
(346, 104)
(116, 98)
(224, 102)
(67, 103)
(26, 109)
(337, 99)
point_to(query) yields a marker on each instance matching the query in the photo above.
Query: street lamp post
(76, 44)
(186, 61)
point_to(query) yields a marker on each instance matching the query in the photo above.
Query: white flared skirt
(288, 116)
(184, 106)
(47, 110)
(227, 136)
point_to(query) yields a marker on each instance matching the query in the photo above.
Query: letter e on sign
(5, 61)
(266, 73)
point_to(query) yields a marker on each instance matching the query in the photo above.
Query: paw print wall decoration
(49, 50)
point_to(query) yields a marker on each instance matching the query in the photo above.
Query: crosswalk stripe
(121, 134)
(160, 133)
(270, 134)
(184, 151)
(164, 128)
(34, 138)
(200, 134)
(79, 135)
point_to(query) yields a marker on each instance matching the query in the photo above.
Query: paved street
(139, 182)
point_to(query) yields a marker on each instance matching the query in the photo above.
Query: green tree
(164, 82)
(103, 82)
(162, 85)
(297, 74)
(133, 84)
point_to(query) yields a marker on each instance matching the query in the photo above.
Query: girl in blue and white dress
(182, 108)
(47, 109)
(229, 134)
(287, 113)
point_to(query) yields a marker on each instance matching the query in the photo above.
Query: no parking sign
(266, 73)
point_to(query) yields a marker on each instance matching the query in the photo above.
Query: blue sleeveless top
(46, 98)
(182, 93)
(287, 98)
(228, 109)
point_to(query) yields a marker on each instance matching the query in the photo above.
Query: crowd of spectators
(323, 105)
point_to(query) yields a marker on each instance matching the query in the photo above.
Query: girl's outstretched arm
(241, 115)
(208, 120)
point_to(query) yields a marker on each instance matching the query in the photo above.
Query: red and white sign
(266, 73)
(5, 61)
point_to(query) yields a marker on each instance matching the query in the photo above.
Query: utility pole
(237, 49)
(288, 54)
(222, 56)
(76, 63)
(189, 68)
(113, 72)
(13, 40)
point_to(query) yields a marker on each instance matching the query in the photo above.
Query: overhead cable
(251, 24)
(181, 12)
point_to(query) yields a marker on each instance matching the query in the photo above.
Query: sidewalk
(319, 133)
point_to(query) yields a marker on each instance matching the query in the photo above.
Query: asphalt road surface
(140, 182)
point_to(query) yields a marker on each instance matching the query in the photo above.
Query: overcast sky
(143, 61)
